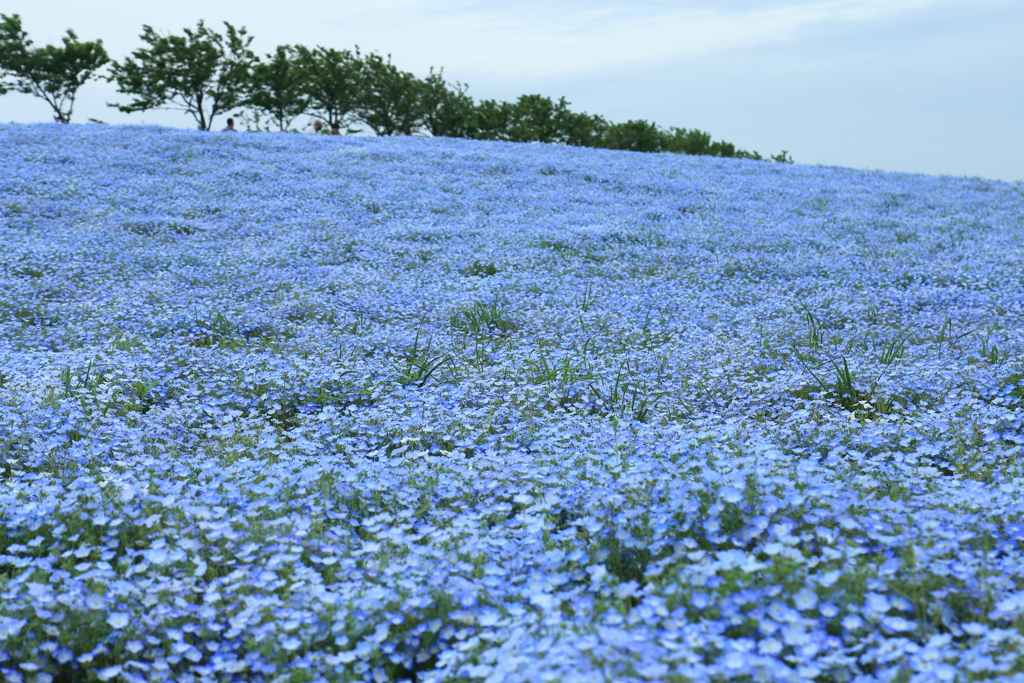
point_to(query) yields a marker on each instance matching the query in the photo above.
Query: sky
(921, 86)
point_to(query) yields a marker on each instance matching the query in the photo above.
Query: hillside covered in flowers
(277, 407)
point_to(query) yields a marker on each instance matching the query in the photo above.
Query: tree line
(206, 73)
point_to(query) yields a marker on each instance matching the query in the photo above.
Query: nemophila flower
(11, 627)
(109, 673)
(896, 624)
(700, 600)
(730, 494)
(118, 620)
(828, 610)
(393, 409)
(805, 599)
(795, 635)
(852, 622)
(876, 605)
(769, 646)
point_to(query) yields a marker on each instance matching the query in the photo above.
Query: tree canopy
(201, 72)
(53, 72)
(276, 88)
(205, 73)
(332, 81)
(389, 101)
(446, 110)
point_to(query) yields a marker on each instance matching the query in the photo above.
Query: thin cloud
(526, 37)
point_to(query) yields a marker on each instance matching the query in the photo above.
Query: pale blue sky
(931, 86)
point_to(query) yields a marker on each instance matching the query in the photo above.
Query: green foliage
(39, 314)
(535, 118)
(693, 141)
(445, 110)
(831, 371)
(54, 73)
(626, 396)
(416, 364)
(276, 88)
(894, 348)
(947, 338)
(581, 129)
(332, 81)
(990, 352)
(645, 136)
(86, 379)
(389, 100)
(85, 385)
(138, 397)
(202, 72)
(480, 269)
(1014, 386)
(215, 329)
(562, 380)
(482, 320)
(205, 73)
(636, 136)
(491, 120)
(287, 412)
(562, 374)
(586, 298)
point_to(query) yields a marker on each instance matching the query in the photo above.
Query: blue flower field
(280, 407)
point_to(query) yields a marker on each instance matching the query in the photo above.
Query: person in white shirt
(230, 128)
(315, 128)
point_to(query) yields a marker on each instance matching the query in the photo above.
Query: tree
(683, 141)
(276, 88)
(491, 120)
(581, 129)
(54, 73)
(695, 141)
(535, 118)
(389, 100)
(202, 72)
(332, 81)
(637, 136)
(445, 111)
(727, 149)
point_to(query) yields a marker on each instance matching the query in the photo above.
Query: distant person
(230, 128)
(315, 128)
(335, 129)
